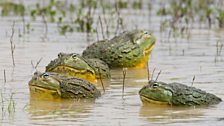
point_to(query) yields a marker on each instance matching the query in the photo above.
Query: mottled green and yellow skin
(176, 94)
(61, 86)
(101, 69)
(129, 49)
(75, 65)
(72, 64)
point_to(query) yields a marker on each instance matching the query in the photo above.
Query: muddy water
(178, 59)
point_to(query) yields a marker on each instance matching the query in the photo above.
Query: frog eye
(155, 85)
(74, 56)
(146, 35)
(45, 75)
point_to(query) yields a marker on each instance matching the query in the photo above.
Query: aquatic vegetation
(219, 48)
(80, 20)
(121, 4)
(101, 81)
(37, 63)
(11, 104)
(4, 73)
(220, 17)
(88, 3)
(2, 102)
(137, 4)
(49, 11)
(180, 13)
(65, 28)
(85, 21)
(12, 45)
(8, 105)
(69, 16)
(10, 8)
(124, 76)
(181, 16)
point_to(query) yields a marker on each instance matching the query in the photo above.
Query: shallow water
(198, 59)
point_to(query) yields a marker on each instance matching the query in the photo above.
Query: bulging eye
(146, 35)
(155, 85)
(45, 75)
(74, 56)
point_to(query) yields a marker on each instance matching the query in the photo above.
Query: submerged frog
(176, 94)
(75, 65)
(129, 49)
(62, 86)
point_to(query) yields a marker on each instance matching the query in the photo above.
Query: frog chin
(148, 100)
(148, 50)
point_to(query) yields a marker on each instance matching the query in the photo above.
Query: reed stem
(124, 76)
(101, 80)
(12, 45)
(4, 76)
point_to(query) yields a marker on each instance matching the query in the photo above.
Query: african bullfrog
(62, 86)
(101, 69)
(129, 49)
(176, 94)
(75, 65)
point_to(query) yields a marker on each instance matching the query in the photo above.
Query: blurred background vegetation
(177, 16)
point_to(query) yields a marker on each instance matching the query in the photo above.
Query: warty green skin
(125, 50)
(76, 61)
(177, 94)
(72, 60)
(66, 86)
(101, 69)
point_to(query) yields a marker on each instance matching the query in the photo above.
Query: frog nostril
(60, 54)
(34, 77)
(37, 73)
(145, 87)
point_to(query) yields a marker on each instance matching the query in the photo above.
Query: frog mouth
(150, 100)
(79, 73)
(41, 88)
(35, 88)
(34, 85)
(41, 92)
(149, 49)
(64, 68)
